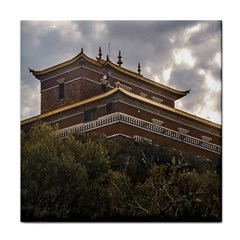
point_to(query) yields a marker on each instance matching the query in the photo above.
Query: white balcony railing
(139, 123)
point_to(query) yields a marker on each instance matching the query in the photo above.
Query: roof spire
(107, 58)
(81, 50)
(139, 68)
(99, 54)
(119, 59)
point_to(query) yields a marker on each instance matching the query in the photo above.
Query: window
(61, 90)
(109, 107)
(103, 87)
(156, 99)
(90, 114)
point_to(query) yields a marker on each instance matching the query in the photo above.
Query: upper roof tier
(104, 63)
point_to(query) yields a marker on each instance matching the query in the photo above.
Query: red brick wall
(133, 111)
(74, 92)
(157, 139)
(138, 90)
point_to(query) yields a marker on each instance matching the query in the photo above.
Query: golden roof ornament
(139, 68)
(119, 59)
(99, 54)
(117, 84)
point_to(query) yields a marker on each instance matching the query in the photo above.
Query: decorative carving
(143, 94)
(126, 87)
(117, 84)
(183, 130)
(61, 80)
(157, 121)
(156, 99)
(205, 138)
(142, 139)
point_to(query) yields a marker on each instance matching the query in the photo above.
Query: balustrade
(124, 118)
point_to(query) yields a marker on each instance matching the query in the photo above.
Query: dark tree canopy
(87, 177)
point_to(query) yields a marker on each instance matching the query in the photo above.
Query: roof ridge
(179, 92)
(186, 114)
(103, 62)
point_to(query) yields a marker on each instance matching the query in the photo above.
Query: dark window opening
(61, 91)
(90, 115)
(103, 87)
(109, 107)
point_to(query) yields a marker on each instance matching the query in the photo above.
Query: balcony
(142, 124)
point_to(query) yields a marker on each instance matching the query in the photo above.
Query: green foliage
(86, 177)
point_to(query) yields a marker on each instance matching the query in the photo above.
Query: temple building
(86, 95)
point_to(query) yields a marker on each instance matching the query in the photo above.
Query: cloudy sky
(181, 54)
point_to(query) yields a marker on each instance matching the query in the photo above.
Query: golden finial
(119, 59)
(117, 84)
(139, 68)
(99, 54)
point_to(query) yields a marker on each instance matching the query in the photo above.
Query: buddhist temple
(96, 95)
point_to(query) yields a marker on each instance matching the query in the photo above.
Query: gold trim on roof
(65, 64)
(39, 117)
(136, 75)
(102, 63)
(135, 96)
(185, 114)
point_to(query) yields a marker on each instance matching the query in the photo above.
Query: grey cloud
(43, 46)
(189, 79)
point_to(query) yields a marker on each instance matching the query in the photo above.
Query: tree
(56, 174)
(86, 177)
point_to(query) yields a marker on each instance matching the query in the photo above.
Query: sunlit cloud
(184, 56)
(100, 29)
(30, 100)
(147, 70)
(189, 31)
(166, 74)
(212, 83)
(156, 79)
(201, 72)
(172, 39)
(208, 113)
(217, 59)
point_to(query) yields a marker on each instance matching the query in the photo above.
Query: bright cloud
(217, 59)
(101, 29)
(181, 54)
(184, 56)
(212, 83)
(166, 74)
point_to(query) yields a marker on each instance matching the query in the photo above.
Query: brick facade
(94, 90)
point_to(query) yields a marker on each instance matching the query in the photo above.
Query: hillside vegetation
(88, 178)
